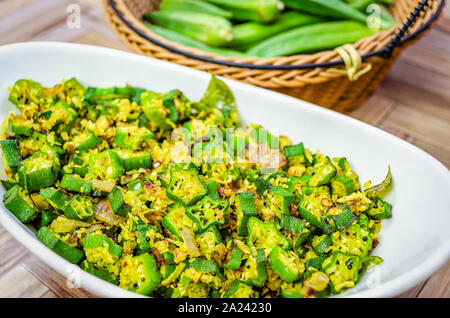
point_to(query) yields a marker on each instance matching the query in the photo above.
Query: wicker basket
(307, 77)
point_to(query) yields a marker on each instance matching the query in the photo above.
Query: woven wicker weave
(316, 85)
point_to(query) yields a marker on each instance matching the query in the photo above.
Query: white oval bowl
(413, 244)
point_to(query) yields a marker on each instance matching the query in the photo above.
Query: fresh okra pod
(212, 30)
(187, 41)
(253, 10)
(194, 6)
(251, 32)
(311, 38)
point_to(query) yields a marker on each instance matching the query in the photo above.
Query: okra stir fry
(269, 28)
(168, 197)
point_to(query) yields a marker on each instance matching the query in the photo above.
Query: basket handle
(402, 34)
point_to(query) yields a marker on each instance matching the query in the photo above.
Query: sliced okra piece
(17, 201)
(38, 171)
(76, 184)
(337, 218)
(292, 224)
(324, 174)
(155, 111)
(118, 205)
(255, 269)
(208, 212)
(379, 209)
(19, 125)
(211, 188)
(245, 209)
(70, 253)
(100, 250)
(207, 266)
(105, 165)
(86, 141)
(47, 216)
(140, 275)
(164, 177)
(360, 238)
(25, 92)
(342, 186)
(185, 186)
(240, 289)
(146, 236)
(55, 197)
(11, 153)
(265, 235)
(279, 200)
(176, 220)
(285, 264)
(321, 244)
(8, 184)
(131, 137)
(79, 208)
(342, 269)
(235, 259)
(295, 154)
(134, 159)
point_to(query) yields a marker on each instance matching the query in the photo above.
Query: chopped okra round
(168, 197)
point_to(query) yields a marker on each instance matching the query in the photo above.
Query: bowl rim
(97, 286)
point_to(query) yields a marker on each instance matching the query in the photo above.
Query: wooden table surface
(413, 103)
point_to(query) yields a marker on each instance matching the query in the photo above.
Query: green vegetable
(25, 92)
(342, 185)
(379, 190)
(235, 260)
(79, 208)
(134, 159)
(265, 235)
(208, 212)
(311, 38)
(141, 275)
(194, 6)
(285, 264)
(19, 204)
(76, 184)
(379, 209)
(176, 220)
(239, 289)
(190, 42)
(147, 236)
(255, 10)
(328, 8)
(245, 209)
(11, 153)
(55, 197)
(279, 200)
(254, 272)
(210, 29)
(20, 126)
(132, 137)
(71, 254)
(105, 166)
(100, 250)
(38, 171)
(342, 269)
(185, 186)
(248, 34)
(118, 205)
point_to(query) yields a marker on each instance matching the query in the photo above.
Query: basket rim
(384, 52)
